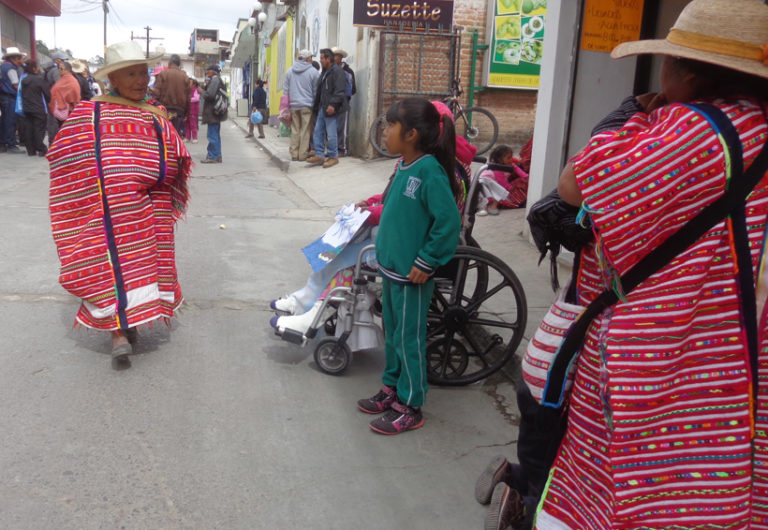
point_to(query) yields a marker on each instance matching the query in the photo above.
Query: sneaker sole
(491, 475)
(387, 433)
(501, 496)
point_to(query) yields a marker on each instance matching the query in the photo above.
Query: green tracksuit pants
(405, 328)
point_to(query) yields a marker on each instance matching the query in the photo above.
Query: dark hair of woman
(718, 81)
(29, 66)
(419, 114)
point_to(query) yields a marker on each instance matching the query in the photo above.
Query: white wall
(361, 44)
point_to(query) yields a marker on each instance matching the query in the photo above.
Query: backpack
(221, 102)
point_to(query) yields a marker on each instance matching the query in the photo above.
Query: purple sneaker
(380, 402)
(399, 418)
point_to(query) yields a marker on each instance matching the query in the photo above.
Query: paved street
(219, 423)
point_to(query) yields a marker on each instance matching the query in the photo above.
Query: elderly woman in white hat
(9, 83)
(668, 413)
(119, 174)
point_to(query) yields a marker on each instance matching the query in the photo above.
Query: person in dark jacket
(330, 101)
(79, 70)
(212, 84)
(9, 85)
(35, 95)
(351, 88)
(260, 104)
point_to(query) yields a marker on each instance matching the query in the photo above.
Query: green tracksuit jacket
(420, 222)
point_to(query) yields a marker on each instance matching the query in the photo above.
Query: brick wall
(411, 63)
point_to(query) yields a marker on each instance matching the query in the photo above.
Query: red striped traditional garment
(113, 204)
(660, 431)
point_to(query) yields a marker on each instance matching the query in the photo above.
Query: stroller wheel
(331, 356)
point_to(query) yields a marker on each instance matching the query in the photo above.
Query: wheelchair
(475, 322)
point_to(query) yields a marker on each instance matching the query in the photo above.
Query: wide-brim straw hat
(79, 66)
(13, 51)
(722, 32)
(339, 51)
(122, 55)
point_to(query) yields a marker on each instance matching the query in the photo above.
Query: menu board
(610, 22)
(516, 44)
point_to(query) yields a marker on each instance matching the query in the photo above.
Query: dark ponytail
(421, 115)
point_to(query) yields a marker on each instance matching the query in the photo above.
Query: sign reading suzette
(416, 14)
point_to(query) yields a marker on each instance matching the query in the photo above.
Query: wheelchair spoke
(436, 331)
(479, 352)
(446, 360)
(493, 323)
(488, 294)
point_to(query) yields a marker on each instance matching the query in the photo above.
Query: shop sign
(516, 31)
(610, 22)
(412, 15)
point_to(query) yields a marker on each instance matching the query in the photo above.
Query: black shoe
(498, 470)
(15, 149)
(506, 509)
(262, 136)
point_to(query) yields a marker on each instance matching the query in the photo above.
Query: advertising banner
(516, 31)
(413, 15)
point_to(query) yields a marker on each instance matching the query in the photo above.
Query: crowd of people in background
(35, 99)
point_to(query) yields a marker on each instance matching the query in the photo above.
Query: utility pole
(147, 38)
(106, 10)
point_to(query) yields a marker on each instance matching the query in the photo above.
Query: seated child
(501, 188)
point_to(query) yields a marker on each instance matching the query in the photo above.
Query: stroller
(475, 322)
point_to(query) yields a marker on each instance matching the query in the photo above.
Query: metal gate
(417, 63)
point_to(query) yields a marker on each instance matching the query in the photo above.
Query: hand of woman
(651, 101)
(363, 205)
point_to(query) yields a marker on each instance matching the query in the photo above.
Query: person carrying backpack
(210, 94)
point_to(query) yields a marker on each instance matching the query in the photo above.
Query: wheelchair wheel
(331, 356)
(476, 318)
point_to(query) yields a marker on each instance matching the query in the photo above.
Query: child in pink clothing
(502, 188)
(190, 130)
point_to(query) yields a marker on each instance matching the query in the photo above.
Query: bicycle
(476, 124)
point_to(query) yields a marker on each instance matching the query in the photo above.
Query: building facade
(17, 22)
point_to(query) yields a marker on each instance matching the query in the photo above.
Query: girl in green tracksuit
(418, 232)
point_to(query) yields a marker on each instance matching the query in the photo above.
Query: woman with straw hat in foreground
(119, 174)
(668, 413)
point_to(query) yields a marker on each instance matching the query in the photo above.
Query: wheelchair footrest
(293, 336)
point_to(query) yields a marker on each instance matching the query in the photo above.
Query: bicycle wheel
(376, 136)
(479, 127)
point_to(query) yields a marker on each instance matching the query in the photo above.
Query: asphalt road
(219, 423)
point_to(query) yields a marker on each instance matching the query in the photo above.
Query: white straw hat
(339, 51)
(722, 32)
(123, 55)
(13, 51)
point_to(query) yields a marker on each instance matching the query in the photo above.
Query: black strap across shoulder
(730, 203)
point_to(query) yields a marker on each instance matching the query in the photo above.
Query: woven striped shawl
(661, 432)
(119, 179)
